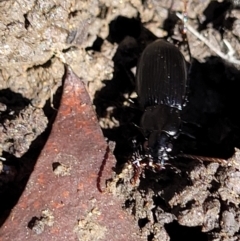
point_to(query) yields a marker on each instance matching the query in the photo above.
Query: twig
(226, 57)
(231, 51)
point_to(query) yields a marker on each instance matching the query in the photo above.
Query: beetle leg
(204, 158)
(187, 131)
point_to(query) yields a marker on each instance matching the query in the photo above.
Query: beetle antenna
(137, 126)
(204, 158)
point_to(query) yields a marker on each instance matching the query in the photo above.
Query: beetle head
(159, 146)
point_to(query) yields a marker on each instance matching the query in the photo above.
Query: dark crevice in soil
(11, 104)
(178, 232)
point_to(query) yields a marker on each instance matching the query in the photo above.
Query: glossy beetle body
(161, 84)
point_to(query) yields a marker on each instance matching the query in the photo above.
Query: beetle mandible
(161, 85)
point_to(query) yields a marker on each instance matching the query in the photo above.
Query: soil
(102, 41)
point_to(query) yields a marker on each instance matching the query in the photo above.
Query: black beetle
(161, 85)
